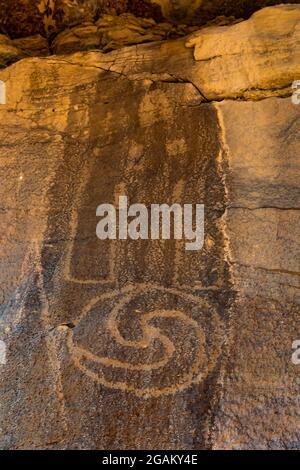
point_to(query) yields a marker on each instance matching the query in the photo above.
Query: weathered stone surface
(265, 70)
(32, 45)
(8, 52)
(80, 38)
(261, 53)
(263, 189)
(47, 17)
(141, 344)
(262, 223)
(13, 50)
(201, 11)
(127, 29)
(75, 280)
(113, 32)
(224, 64)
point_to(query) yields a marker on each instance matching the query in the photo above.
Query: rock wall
(20, 18)
(141, 344)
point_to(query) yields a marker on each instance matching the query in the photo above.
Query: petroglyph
(173, 325)
(141, 317)
(173, 364)
(137, 343)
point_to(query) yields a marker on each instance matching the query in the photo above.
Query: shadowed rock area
(140, 344)
(20, 18)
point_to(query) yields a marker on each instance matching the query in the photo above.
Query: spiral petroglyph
(163, 349)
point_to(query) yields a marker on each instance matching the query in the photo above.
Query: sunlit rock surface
(141, 344)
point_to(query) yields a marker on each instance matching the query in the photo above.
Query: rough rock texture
(141, 344)
(260, 399)
(48, 17)
(109, 32)
(8, 52)
(113, 32)
(13, 50)
(212, 45)
(251, 62)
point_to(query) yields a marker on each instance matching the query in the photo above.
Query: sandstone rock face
(47, 17)
(262, 223)
(220, 51)
(113, 32)
(230, 68)
(142, 344)
(14, 50)
(8, 52)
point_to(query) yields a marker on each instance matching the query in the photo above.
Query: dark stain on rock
(153, 156)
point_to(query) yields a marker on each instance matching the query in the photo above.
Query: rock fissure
(269, 270)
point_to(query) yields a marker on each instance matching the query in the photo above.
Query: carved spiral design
(150, 351)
